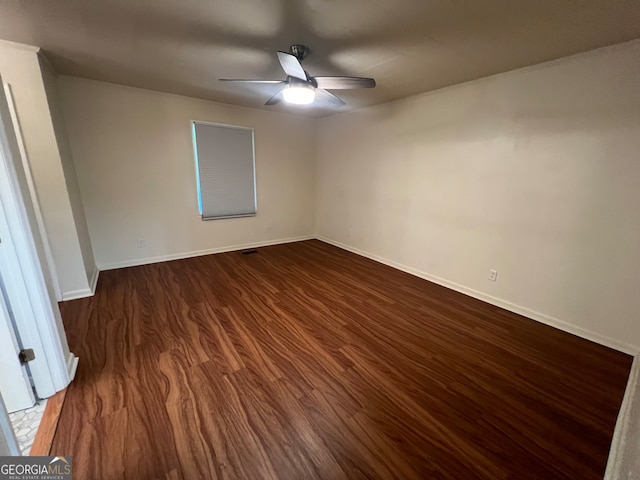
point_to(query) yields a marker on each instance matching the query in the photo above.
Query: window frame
(193, 124)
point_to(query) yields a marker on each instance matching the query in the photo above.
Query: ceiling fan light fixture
(299, 94)
(301, 89)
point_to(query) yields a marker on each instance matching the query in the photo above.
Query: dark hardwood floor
(305, 361)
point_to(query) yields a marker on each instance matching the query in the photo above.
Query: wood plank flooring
(304, 361)
(48, 425)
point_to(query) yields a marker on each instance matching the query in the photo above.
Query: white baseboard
(72, 366)
(85, 292)
(198, 253)
(75, 294)
(93, 283)
(512, 307)
(625, 446)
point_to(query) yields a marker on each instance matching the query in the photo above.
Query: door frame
(40, 325)
(33, 194)
(8, 443)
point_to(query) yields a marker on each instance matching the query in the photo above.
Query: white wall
(534, 173)
(68, 170)
(20, 67)
(134, 160)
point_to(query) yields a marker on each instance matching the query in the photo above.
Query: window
(225, 170)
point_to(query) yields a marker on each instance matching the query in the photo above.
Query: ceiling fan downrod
(299, 51)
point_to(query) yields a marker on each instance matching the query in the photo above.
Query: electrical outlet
(140, 243)
(348, 233)
(267, 229)
(493, 275)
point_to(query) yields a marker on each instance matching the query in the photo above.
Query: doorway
(34, 356)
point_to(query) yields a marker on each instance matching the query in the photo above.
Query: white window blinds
(225, 169)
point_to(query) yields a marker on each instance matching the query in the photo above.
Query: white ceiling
(408, 46)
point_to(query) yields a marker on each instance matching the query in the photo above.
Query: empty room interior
(281, 239)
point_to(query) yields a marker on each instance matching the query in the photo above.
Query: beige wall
(534, 173)
(20, 68)
(134, 160)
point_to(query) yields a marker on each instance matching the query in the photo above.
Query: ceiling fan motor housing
(299, 51)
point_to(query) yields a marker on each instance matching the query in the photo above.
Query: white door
(31, 300)
(14, 381)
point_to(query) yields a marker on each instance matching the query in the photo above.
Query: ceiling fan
(300, 88)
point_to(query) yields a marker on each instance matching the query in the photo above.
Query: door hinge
(26, 355)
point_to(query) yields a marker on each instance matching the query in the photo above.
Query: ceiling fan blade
(243, 80)
(277, 98)
(343, 83)
(329, 97)
(291, 65)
